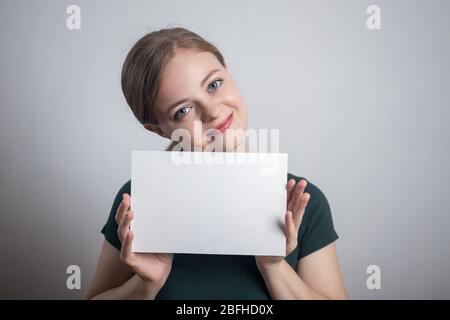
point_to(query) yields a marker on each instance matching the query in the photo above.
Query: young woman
(171, 79)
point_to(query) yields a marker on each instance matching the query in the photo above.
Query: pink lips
(225, 124)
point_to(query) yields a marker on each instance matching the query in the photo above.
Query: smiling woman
(173, 79)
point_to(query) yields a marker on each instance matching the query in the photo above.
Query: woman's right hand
(152, 268)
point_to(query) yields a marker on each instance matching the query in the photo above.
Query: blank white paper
(209, 202)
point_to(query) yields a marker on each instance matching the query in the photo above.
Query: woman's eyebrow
(173, 105)
(208, 76)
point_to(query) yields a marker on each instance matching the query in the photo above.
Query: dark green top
(207, 276)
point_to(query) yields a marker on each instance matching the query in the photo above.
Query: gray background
(363, 114)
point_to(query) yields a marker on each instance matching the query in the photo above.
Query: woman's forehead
(184, 73)
(189, 63)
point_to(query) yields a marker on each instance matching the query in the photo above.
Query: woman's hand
(152, 268)
(296, 202)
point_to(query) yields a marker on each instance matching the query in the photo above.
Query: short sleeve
(317, 228)
(109, 230)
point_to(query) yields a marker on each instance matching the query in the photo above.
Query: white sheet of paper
(209, 202)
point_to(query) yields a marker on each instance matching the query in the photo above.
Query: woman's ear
(156, 129)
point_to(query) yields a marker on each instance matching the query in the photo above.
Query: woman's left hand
(296, 202)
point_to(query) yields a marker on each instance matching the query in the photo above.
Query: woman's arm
(134, 288)
(126, 274)
(115, 280)
(318, 276)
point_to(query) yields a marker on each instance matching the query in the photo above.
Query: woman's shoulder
(125, 188)
(317, 227)
(110, 227)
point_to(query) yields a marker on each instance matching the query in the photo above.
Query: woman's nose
(210, 112)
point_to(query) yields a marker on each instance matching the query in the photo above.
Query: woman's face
(196, 91)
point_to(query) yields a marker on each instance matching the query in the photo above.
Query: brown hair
(145, 62)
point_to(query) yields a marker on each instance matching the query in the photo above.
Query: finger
(291, 193)
(123, 207)
(291, 232)
(298, 215)
(301, 202)
(125, 253)
(289, 187)
(295, 194)
(124, 226)
(298, 193)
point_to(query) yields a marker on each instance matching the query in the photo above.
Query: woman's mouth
(225, 124)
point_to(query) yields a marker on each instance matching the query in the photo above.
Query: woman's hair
(143, 66)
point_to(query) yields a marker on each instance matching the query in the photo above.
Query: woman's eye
(181, 113)
(215, 85)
